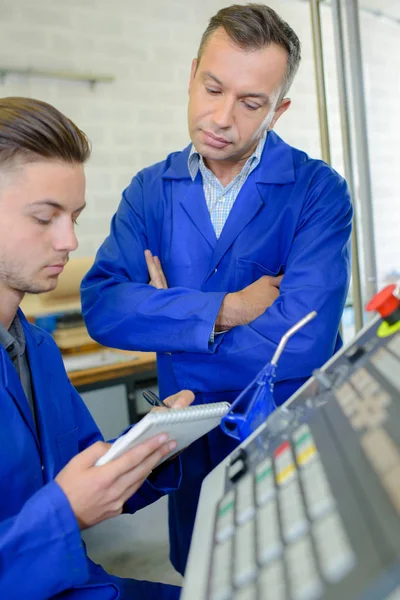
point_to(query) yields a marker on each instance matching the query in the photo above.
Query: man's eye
(251, 106)
(212, 91)
(42, 221)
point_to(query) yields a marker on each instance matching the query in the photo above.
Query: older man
(243, 236)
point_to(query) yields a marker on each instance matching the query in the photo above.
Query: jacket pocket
(248, 271)
(68, 445)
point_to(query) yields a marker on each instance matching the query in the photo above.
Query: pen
(153, 399)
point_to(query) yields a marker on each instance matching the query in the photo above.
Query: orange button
(384, 302)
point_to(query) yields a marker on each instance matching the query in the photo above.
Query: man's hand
(180, 400)
(241, 308)
(156, 274)
(99, 493)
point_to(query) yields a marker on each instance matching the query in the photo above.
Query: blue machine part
(254, 405)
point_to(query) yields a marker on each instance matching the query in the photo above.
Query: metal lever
(289, 333)
(253, 406)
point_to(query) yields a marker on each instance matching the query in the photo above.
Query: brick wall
(139, 118)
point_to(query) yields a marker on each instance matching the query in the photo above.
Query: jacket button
(215, 270)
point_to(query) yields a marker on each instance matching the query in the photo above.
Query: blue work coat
(41, 552)
(292, 217)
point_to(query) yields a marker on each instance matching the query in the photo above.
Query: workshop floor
(135, 545)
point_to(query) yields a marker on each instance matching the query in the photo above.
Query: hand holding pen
(153, 399)
(180, 400)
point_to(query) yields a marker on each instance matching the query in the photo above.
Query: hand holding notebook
(185, 425)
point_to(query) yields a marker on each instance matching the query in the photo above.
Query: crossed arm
(238, 308)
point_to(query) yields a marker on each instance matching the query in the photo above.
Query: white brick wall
(141, 117)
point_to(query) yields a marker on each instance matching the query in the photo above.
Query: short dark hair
(31, 129)
(255, 26)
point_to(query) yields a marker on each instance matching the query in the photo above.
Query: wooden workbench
(145, 362)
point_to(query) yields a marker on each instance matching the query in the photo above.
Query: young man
(51, 489)
(243, 234)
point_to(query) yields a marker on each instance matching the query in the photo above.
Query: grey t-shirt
(13, 341)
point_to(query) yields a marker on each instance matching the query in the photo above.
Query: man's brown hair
(31, 129)
(253, 27)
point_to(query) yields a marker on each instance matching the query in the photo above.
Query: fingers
(88, 457)
(134, 457)
(180, 400)
(130, 482)
(157, 278)
(161, 272)
(277, 280)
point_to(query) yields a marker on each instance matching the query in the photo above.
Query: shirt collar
(195, 159)
(13, 337)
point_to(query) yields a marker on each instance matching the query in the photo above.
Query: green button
(303, 438)
(263, 474)
(226, 508)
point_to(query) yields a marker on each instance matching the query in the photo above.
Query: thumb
(180, 400)
(90, 455)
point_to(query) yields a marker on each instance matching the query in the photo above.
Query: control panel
(308, 507)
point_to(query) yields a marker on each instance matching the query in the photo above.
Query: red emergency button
(385, 302)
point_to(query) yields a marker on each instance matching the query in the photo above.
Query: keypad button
(272, 582)
(269, 540)
(220, 585)
(244, 566)
(285, 468)
(319, 498)
(294, 520)
(391, 484)
(381, 450)
(225, 517)
(333, 548)
(245, 499)
(264, 482)
(304, 446)
(305, 582)
(388, 366)
(246, 593)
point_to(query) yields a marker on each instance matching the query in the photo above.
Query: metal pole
(360, 125)
(347, 156)
(320, 80)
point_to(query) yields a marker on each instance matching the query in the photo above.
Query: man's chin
(41, 287)
(209, 153)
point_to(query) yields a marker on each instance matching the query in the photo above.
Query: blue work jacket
(42, 555)
(292, 217)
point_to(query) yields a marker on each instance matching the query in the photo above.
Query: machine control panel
(308, 507)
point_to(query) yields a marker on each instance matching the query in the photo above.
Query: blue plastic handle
(252, 407)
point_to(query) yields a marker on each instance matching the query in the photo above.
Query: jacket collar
(276, 165)
(34, 333)
(11, 380)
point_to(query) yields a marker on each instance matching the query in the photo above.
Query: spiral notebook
(185, 425)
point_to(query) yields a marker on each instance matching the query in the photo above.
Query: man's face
(39, 205)
(233, 95)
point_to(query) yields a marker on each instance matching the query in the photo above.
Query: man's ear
(282, 108)
(193, 70)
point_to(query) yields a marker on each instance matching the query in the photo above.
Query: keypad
(281, 527)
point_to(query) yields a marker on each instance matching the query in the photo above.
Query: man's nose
(65, 238)
(223, 113)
